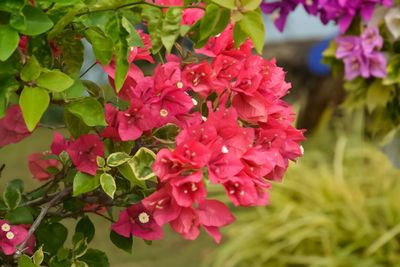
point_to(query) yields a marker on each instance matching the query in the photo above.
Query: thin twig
(39, 219)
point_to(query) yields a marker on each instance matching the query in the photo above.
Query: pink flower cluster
(361, 54)
(12, 126)
(245, 140)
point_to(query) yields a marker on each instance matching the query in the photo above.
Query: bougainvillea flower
(191, 15)
(283, 8)
(187, 190)
(111, 131)
(187, 224)
(241, 190)
(59, 144)
(377, 65)
(162, 205)
(84, 152)
(193, 154)
(361, 54)
(12, 126)
(251, 108)
(167, 165)
(198, 77)
(347, 46)
(133, 77)
(214, 214)
(142, 53)
(11, 236)
(39, 165)
(137, 221)
(371, 40)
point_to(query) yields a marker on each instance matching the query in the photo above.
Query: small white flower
(5, 227)
(10, 235)
(144, 217)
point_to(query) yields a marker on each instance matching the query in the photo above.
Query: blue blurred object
(315, 57)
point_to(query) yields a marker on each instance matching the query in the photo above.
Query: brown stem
(39, 219)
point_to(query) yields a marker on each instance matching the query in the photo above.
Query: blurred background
(338, 206)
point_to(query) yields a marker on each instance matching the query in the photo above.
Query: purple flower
(347, 45)
(371, 40)
(361, 55)
(355, 65)
(283, 8)
(377, 64)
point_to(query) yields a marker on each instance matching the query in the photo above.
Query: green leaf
(80, 248)
(72, 52)
(31, 70)
(11, 5)
(238, 35)
(127, 172)
(38, 256)
(55, 262)
(378, 95)
(25, 261)
(133, 39)
(84, 183)
(117, 158)
(249, 5)
(214, 21)
(100, 162)
(79, 264)
(52, 236)
(108, 184)
(230, 4)
(167, 133)
(121, 58)
(61, 24)
(40, 48)
(36, 21)
(89, 110)
(8, 41)
(12, 195)
(142, 164)
(86, 227)
(153, 16)
(252, 25)
(55, 81)
(21, 215)
(102, 44)
(95, 258)
(121, 242)
(171, 27)
(75, 125)
(33, 102)
(62, 254)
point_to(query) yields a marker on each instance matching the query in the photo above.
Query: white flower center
(144, 217)
(302, 150)
(179, 85)
(5, 227)
(10, 235)
(194, 101)
(194, 187)
(163, 112)
(224, 150)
